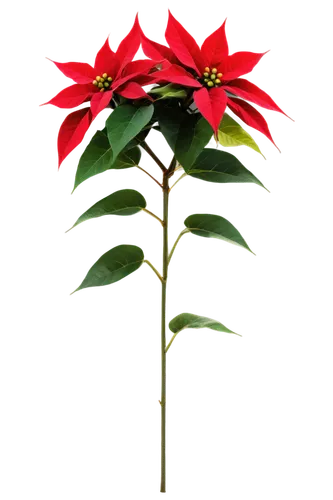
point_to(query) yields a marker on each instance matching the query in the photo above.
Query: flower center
(211, 78)
(103, 82)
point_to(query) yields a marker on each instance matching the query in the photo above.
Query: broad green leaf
(214, 226)
(194, 134)
(187, 320)
(169, 116)
(125, 123)
(186, 134)
(137, 139)
(124, 202)
(113, 266)
(97, 158)
(169, 91)
(231, 134)
(213, 165)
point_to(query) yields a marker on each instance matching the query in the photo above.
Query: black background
(95, 366)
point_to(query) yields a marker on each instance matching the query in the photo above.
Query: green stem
(163, 326)
(180, 178)
(169, 344)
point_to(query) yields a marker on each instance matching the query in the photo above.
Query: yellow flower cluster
(103, 82)
(212, 78)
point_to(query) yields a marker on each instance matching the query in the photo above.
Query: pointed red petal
(133, 90)
(134, 71)
(176, 74)
(183, 45)
(215, 47)
(211, 105)
(106, 61)
(99, 102)
(72, 96)
(72, 131)
(141, 66)
(247, 90)
(250, 116)
(239, 64)
(156, 51)
(79, 72)
(144, 79)
(130, 45)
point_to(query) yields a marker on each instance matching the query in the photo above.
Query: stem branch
(151, 153)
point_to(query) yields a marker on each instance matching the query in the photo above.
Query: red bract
(212, 73)
(113, 72)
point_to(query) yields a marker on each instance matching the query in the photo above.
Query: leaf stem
(145, 171)
(153, 215)
(172, 339)
(155, 270)
(176, 242)
(179, 178)
(151, 153)
(163, 322)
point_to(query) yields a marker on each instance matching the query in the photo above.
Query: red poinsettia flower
(113, 72)
(212, 73)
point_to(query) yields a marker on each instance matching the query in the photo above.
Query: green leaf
(213, 165)
(138, 139)
(97, 158)
(124, 202)
(231, 134)
(194, 134)
(169, 91)
(214, 226)
(169, 116)
(186, 134)
(125, 123)
(193, 321)
(127, 159)
(113, 266)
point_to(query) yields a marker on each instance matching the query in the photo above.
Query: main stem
(163, 341)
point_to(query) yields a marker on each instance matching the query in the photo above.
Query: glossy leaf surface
(187, 320)
(231, 134)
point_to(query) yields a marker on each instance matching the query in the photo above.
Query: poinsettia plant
(187, 90)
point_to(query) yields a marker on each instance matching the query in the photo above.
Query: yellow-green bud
(206, 75)
(217, 81)
(95, 82)
(212, 77)
(110, 79)
(106, 84)
(219, 75)
(210, 84)
(214, 70)
(102, 80)
(100, 85)
(207, 69)
(105, 75)
(206, 80)
(98, 78)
